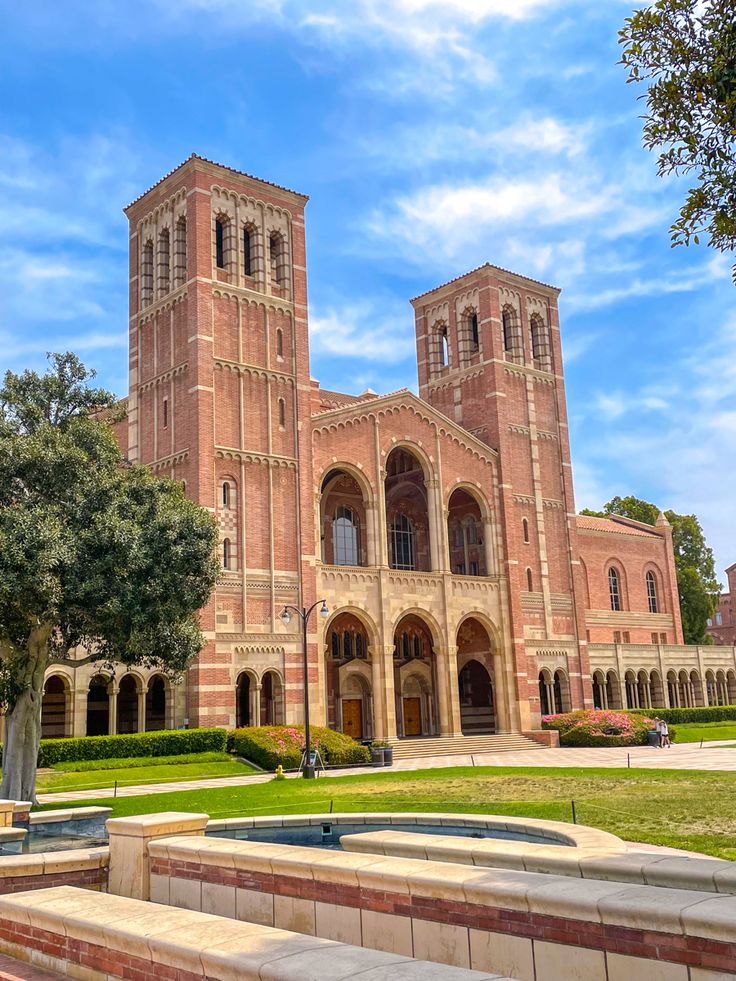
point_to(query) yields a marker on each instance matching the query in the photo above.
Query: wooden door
(412, 716)
(352, 717)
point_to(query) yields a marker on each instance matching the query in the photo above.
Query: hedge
(168, 742)
(713, 713)
(269, 746)
(599, 727)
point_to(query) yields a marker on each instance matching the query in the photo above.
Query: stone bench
(587, 861)
(96, 938)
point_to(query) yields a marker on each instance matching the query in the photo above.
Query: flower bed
(599, 727)
(269, 746)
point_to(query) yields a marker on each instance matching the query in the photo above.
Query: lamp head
(323, 611)
(285, 617)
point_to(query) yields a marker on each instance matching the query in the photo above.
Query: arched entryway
(98, 706)
(245, 691)
(127, 720)
(613, 690)
(55, 708)
(272, 699)
(348, 677)
(554, 692)
(475, 689)
(344, 531)
(407, 512)
(156, 704)
(600, 695)
(415, 678)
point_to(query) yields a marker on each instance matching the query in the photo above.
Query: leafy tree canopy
(93, 552)
(685, 51)
(697, 582)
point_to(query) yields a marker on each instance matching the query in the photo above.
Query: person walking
(658, 730)
(665, 735)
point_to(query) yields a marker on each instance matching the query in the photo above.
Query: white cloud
(359, 331)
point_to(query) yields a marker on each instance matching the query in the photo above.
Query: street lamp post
(304, 614)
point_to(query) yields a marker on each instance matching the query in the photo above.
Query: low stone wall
(531, 926)
(588, 861)
(104, 937)
(86, 868)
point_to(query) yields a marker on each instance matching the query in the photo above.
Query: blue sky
(431, 135)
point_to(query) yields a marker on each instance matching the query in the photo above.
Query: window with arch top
(525, 528)
(474, 334)
(147, 273)
(540, 342)
(443, 348)
(345, 537)
(512, 344)
(276, 258)
(529, 581)
(180, 251)
(402, 542)
(279, 343)
(652, 593)
(220, 230)
(226, 495)
(164, 262)
(226, 554)
(614, 588)
(282, 413)
(248, 242)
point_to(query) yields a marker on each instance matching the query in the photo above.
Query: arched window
(652, 593)
(405, 646)
(614, 588)
(226, 495)
(247, 251)
(525, 528)
(402, 543)
(474, 335)
(282, 413)
(276, 257)
(180, 251)
(345, 537)
(417, 646)
(508, 330)
(335, 644)
(442, 346)
(347, 644)
(220, 243)
(279, 343)
(529, 581)
(147, 273)
(359, 645)
(226, 554)
(164, 262)
(540, 342)
(166, 413)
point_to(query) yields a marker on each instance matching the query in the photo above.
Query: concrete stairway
(406, 749)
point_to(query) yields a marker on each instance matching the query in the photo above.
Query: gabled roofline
(486, 265)
(213, 163)
(403, 393)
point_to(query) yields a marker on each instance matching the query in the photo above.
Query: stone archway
(244, 695)
(477, 709)
(127, 705)
(272, 699)
(55, 708)
(98, 706)
(415, 678)
(155, 704)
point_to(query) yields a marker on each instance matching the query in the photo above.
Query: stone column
(371, 535)
(488, 545)
(141, 709)
(112, 710)
(379, 714)
(447, 695)
(129, 837)
(257, 706)
(386, 693)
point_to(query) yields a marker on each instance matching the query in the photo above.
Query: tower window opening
(652, 593)
(282, 413)
(180, 251)
(164, 262)
(279, 343)
(529, 581)
(474, 337)
(166, 413)
(247, 252)
(540, 342)
(226, 495)
(220, 243)
(402, 543)
(226, 556)
(525, 527)
(276, 258)
(147, 273)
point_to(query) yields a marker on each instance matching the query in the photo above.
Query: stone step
(405, 749)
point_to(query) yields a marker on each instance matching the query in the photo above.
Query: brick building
(722, 625)
(464, 594)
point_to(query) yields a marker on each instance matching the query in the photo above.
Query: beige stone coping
(645, 907)
(559, 832)
(162, 823)
(588, 861)
(203, 944)
(69, 814)
(48, 863)
(12, 834)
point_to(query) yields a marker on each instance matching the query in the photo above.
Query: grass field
(94, 775)
(707, 731)
(682, 808)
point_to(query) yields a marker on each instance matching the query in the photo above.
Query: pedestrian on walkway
(658, 729)
(664, 733)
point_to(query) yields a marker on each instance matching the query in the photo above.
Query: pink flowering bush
(599, 727)
(269, 746)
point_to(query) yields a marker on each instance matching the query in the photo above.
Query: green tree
(94, 553)
(685, 50)
(697, 583)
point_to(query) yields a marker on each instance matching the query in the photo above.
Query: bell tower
(219, 399)
(489, 358)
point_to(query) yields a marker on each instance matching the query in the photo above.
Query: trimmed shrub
(168, 742)
(599, 727)
(713, 713)
(269, 746)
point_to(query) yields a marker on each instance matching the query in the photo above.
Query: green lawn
(682, 808)
(707, 731)
(97, 774)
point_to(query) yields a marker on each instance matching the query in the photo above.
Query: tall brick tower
(219, 399)
(488, 346)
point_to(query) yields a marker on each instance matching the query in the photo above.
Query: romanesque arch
(272, 699)
(349, 643)
(344, 533)
(98, 706)
(407, 511)
(466, 533)
(479, 680)
(127, 704)
(56, 707)
(415, 677)
(246, 691)
(156, 703)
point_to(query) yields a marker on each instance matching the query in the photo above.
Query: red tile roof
(611, 526)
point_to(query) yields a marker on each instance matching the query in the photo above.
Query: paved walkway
(688, 756)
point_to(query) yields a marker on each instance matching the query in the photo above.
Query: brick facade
(722, 625)
(463, 590)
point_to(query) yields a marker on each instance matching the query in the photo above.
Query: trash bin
(388, 756)
(377, 755)
(652, 738)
